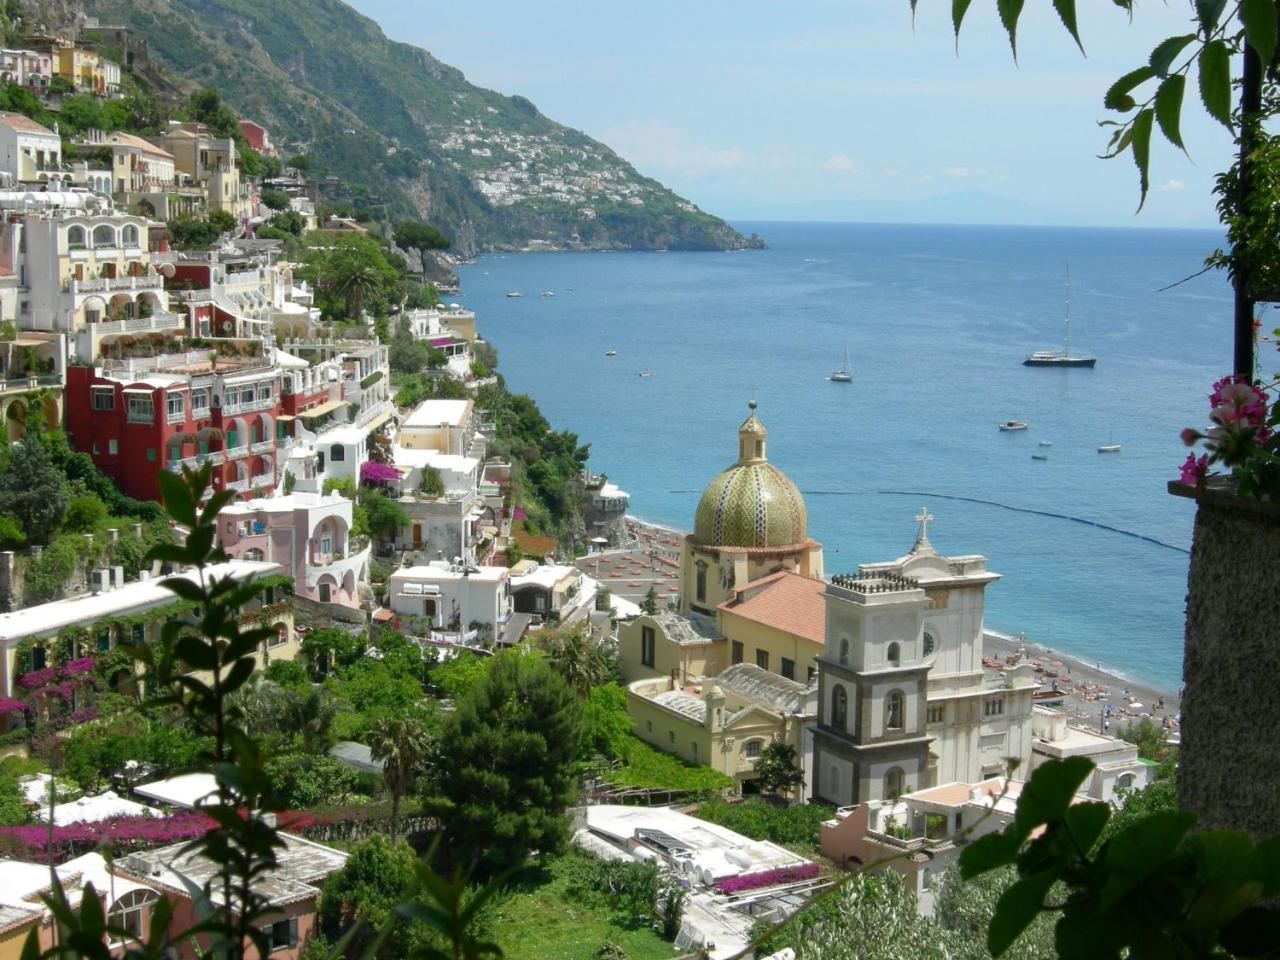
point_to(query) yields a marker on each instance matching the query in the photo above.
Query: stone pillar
(8, 591)
(1227, 770)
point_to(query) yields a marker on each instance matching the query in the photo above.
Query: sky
(842, 110)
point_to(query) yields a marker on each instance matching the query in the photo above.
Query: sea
(1091, 548)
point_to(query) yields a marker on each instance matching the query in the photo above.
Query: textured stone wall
(1229, 769)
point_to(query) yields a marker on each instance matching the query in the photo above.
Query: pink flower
(1190, 436)
(1194, 469)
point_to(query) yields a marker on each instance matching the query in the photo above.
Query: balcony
(215, 457)
(157, 321)
(30, 383)
(239, 485)
(248, 406)
(262, 446)
(148, 281)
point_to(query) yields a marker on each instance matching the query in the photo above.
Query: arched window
(337, 453)
(893, 784)
(844, 651)
(75, 237)
(1124, 781)
(129, 235)
(839, 708)
(895, 655)
(930, 644)
(129, 912)
(103, 236)
(893, 710)
(753, 748)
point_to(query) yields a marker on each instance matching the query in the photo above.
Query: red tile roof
(22, 123)
(785, 601)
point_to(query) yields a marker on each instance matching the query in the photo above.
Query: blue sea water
(1092, 549)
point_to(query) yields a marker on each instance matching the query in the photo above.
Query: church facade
(904, 700)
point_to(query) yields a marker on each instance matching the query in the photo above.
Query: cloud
(840, 163)
(1169, 186)
(956, 171)
(654, 145)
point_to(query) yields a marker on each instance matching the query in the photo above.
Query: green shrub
(647, 767)
(798, 826)
(83, 514)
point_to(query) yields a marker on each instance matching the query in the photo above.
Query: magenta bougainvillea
(373, 472)
(10, 705)
(34, 843)
(768, 878)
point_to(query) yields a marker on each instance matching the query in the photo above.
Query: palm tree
(579, 660)
(401, 744)
(355, 280)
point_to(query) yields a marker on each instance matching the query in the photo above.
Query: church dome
(752, 504)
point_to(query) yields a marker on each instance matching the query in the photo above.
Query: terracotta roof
(22, 123)
(129, 140)
(785, 601)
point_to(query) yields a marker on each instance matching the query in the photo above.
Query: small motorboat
(547, 294)
(646, 373)
(515, 293)
(611, 353)
(1013, 425)
(1109, 448)
(1046, 443)
(1039, 456)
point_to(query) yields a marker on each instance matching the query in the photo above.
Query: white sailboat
(843, 375)
(1063, 357)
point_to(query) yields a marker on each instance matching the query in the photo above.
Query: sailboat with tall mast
(843, 375)
(1063, 357)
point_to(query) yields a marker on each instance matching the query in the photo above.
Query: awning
(377, 421)
(286, 417)
(322, 409)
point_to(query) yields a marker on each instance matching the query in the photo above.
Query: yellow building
(670, 646)
(15, 923)
(725, 723)
(778, 623)
(82, 67)
(750, 522)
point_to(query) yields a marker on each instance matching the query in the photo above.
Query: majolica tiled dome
(753, 503)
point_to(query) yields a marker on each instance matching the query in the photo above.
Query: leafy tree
(406, 353)
(363, 895)
(286, 673)
(650, 602)
(432, 482)
(354, 272)
(777, 768)
(222, 221)
(191, 234)
(12, 536)
(606, 723)
(456, 676)
(275, 199)
(426, 239)
(579, 659)
(383, 515)
(298, 781)
(1151, 739)
(502, 774)
(300, 162)
(13, 807)
(32, 489)
(206, 106)
(401, 744)
(84, 513)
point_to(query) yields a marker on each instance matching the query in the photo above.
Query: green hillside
(407, 134)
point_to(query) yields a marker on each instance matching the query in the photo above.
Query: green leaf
(1117, 97)
(1208, 12)
(958, 9)
(1215, 81)
(1266, 860)
(1017, 907)
(1140, 850)
(1259, 19)
(987, 853)
(1169, 108)
(1142, 150)
(1049, 792)
(1010, 11)
(1086, 821)
(1167, 51)
(1067, 14)
(177, 501)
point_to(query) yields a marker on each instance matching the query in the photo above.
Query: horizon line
(958, 223)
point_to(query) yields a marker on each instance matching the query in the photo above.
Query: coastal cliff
(405, 135)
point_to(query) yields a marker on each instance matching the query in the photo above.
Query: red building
(191, 410)
(256, 136)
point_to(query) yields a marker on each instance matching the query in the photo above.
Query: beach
(1087, 690)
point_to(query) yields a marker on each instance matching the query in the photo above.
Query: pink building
(256, 136)
(309, 534)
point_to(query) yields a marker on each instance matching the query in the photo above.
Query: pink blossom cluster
(767, 878)
(1238, 411)
(38, 678)
(74, 667)
(373, 472)
(32, 842)
(10, 705)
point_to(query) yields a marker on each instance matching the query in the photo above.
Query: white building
(444, 425)
(1116, 764)
(453, 599)
(904, 701)
(29, 152)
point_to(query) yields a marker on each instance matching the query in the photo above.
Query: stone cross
(924, 517)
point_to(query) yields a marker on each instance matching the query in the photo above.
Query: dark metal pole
(1250, 107)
